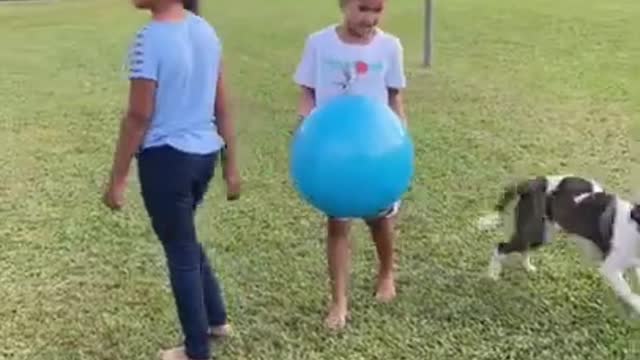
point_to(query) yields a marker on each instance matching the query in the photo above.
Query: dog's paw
(488, 222)
(634, 302)
(530, 268)
(526, 264)
(494, 271)
(493, 275)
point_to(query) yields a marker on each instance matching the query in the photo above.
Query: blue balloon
(352, 157)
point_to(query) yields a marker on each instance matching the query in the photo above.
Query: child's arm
(133, 126)
(397, 105)
(396, 81)
(306, 102)
(226, 129)
(226, 125)
(305, 77)
(143, 78)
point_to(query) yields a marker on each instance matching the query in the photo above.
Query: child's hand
(113, 196)
(231, 176)
(298, 123)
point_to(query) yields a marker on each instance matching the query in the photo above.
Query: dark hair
(191, 5)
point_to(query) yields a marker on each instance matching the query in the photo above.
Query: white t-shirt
(332, 67)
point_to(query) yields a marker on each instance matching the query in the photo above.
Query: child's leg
(383, 235)
(166, 180)
(338, 258)
(213, 296)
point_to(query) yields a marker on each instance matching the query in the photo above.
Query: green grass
(518, 88)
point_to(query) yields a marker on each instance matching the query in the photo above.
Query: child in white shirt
(354, 57)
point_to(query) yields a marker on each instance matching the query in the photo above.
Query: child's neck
(351, 37)
(168, 11)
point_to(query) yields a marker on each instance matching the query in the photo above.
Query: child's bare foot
(220, 331)
(385, 289)
(173, 354)
(337, 317)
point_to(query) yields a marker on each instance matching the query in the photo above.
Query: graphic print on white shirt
(332, 67)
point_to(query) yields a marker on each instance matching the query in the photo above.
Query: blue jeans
(173, 184)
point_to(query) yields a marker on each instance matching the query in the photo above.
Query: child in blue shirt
(178, 126)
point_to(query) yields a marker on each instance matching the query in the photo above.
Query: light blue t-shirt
(183, 57)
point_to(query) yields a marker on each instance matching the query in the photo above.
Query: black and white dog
(606, 226)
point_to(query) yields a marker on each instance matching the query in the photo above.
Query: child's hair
(191, 5)
(343, 3)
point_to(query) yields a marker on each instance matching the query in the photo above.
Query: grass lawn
(518, 88)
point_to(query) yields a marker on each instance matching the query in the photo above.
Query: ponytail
(191, 5)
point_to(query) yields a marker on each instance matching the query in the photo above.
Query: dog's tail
(509, 193)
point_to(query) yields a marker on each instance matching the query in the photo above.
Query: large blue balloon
(352, 157)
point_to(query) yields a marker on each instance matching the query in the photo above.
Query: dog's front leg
(613, 271)
(526, 262)
(495, 265)
(636, 273)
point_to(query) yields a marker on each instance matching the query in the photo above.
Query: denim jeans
(173, 185)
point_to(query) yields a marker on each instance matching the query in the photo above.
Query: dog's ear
(635, 213)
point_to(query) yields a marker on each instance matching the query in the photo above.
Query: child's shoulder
(144, 29)
(146, 35)
(200, 30)
(389, 39)
(201, 22)
(198, 20)
(323, 34)
(152, 31)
